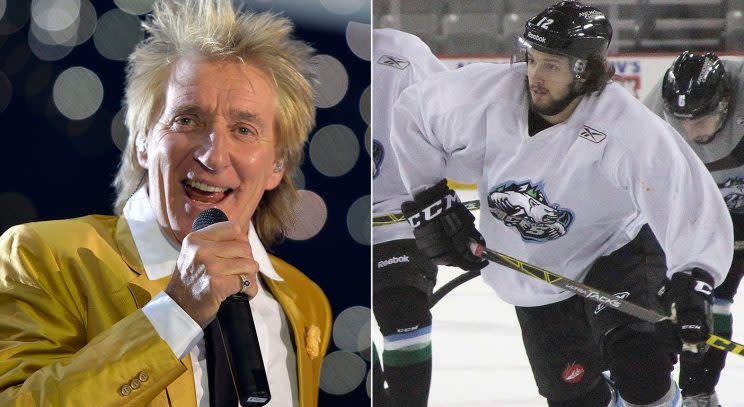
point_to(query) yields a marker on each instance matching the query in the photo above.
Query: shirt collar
(156, 251)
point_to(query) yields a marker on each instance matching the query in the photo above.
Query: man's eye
(186, 121)
(245, 131)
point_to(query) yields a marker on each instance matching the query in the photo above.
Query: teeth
(204, 187)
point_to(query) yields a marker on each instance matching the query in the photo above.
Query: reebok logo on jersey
(593, 135)
(623, 295)
(573, 373)
(394, 62)
(536, 37)
(393, 260)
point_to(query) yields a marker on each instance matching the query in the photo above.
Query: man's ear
(276, 175)
(140, 145)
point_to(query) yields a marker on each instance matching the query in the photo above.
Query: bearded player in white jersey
(403, 277)
(701, 97)
(576, 176)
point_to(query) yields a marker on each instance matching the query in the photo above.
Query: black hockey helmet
(695, 85)
(569, 28)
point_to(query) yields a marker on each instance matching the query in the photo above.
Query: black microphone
(235, 322)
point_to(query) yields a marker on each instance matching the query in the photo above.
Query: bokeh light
(116, 34)
(55, 15)
(334, 149)
(309, 215)
(333, 80)
(365, 105)
(86, 23)
(349, 333)
(368, 141)
(344, 7)
(47, 52)
(119, 132)
(78, 32)
(357, 220)
(135, 7)
(78, 93)
(342, 372)
(368, 384)
(358, 39)
(365, 341)
(64, 36)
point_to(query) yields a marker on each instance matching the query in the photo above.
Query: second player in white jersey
(403, 278)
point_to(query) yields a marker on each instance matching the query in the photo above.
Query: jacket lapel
(287, 299)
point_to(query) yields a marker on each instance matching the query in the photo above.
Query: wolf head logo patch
(525, 207)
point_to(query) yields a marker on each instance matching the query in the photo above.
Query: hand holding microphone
(214, 264)
(213, 258)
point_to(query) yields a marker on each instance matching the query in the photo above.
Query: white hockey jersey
(570, 193)
(399, 59)
(724, 155)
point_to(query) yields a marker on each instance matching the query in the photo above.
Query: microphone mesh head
(207, 217)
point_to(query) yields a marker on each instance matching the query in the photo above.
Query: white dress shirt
(185, 336)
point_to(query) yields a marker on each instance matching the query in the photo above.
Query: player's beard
(553, 108)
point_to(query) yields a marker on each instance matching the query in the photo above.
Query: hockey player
(403, 277)
(700, 96)
(576, 176)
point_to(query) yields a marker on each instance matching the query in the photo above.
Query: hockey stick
(451, 285)
(467, 276)
(594, 294)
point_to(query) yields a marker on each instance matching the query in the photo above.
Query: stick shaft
(596, 295)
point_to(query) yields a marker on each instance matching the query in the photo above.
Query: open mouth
(205, 193)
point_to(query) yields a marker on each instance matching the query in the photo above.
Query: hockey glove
(443, 227)
(689, 297)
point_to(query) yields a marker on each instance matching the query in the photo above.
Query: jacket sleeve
(46, 355)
